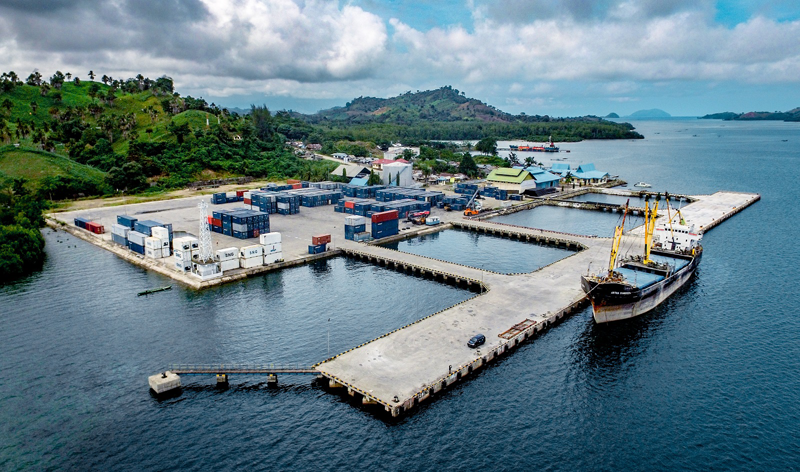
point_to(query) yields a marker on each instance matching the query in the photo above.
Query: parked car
(476, 341)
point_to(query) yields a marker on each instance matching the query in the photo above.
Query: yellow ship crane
(617, 240)
(649, 226)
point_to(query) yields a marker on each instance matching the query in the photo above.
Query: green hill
(50, 174)
(447, 114)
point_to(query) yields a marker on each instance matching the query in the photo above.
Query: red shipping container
(349, 204)
(297, 186)
(216, 222)
(256, 233)
(240, 193)
(95, 227)
(321, 239)
(292, 181)
(247, 201)
(384, 216)
(210, 220)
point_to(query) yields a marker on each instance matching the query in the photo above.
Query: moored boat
(637, 284)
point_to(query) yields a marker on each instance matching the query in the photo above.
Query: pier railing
(182, 369)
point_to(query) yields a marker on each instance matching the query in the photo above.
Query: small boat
(642, 185)
(155, 290)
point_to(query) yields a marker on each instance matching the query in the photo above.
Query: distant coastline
(791, 115)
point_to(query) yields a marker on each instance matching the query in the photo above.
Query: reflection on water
(570, 220)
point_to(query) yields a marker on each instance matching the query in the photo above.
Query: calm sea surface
(709, 380)
(482, 251)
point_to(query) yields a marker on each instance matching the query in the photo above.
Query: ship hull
(616, 301)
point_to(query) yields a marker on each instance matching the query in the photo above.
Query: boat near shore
(637, 284)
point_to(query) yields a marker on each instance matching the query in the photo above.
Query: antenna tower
(205, 234)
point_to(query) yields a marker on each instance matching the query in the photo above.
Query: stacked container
(136, 241)
(288, 204)
(251, 256)
(228, 258)
(273, 251)
(186, 248)
(220, 198)
(119, 234)
(240, 223)
(385, 224)
(354, 225)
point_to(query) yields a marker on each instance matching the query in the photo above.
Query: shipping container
(137, 248)
(152, 253)
(137, 238)
(321, 239)
(227, 254)
(152, 243)
(270, 238)
(160, 232)
(182, 265)
(317, 249)
(121, 240)
(126, 220)
(249, 263)
(95, 228)
(354, 220)
(363, 236)
(230, 264)
(270, 248)
(255, 250)
(120, 230)
(273, 257)
(384, 216)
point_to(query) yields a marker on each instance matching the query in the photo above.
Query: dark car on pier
(476, 341)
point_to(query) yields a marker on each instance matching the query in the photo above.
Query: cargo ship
(543, 148)
(636, 284)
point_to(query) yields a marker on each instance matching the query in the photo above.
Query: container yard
(416, 361)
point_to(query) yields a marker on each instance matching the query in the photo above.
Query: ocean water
(709, 380)
(570, 220)
(482, 251)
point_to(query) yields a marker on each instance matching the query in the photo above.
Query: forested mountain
(447, 114)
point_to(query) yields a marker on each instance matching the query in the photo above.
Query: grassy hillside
(35, 166)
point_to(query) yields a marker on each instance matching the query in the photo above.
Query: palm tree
(68, 76)
(91, 75)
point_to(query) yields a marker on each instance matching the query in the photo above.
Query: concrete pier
(164, 382)
(405, 367)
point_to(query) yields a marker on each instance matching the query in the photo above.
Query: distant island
(611, 115)
(791, 115)
(652, 113)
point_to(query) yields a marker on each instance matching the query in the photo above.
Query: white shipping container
(181, 243)
(120, 230)
(255, 250)
(152, 253)
(283, 206)
(182, 255)
(247, 195)
(229, 265)
(136, 237)
(270, 238)
(354, 220)
(242, 228)
(160, 232)
(273, 257)
(227, 254)
(152, 243)
(206, 269)
(271, 248)
(250, 262)
(182, 266)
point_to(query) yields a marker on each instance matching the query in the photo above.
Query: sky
(554, 57)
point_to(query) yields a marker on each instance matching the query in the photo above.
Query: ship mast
(617, 240)
(649, 226)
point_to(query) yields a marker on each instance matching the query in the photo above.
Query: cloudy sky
(557, 57)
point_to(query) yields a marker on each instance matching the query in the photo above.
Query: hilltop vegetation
(447, 114)
(791, 115)
(139, 134)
